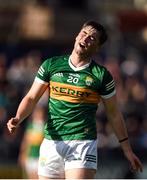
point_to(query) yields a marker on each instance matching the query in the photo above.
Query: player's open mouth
(82, 45)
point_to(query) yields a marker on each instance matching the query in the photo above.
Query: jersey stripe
(110, 83)
(109, 95)
(41, 71)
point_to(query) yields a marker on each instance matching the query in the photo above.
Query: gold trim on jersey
(73, 94)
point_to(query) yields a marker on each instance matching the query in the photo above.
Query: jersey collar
(78, 68)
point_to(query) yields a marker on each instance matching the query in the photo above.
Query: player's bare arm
(116, 119)
(27, 105)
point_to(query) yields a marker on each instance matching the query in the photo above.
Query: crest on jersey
(89, 80)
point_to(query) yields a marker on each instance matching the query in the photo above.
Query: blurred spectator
(133, 122)
(30, 145)
(137, 96)
(16, 72)
(22, 71)
(145, 74)
(143, 138)
(3, 70)
(3, 81)
(33, 61)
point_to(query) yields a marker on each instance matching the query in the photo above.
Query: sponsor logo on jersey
(74, 75)
(71, 93)
(58, 74)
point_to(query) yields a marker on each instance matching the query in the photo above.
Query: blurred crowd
(14, 82)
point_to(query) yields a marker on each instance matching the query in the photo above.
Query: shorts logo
(89, 80)
(42, 161)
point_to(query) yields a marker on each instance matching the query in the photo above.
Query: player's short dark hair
(103, 35)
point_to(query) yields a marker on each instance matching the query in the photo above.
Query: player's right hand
(12, 124)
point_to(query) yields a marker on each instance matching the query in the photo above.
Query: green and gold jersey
(74, 97)
(34, 135)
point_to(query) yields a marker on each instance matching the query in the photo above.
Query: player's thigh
(80, 173)
(81, 161)
(51, 163)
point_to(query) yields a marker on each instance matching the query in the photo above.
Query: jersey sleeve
(108, 85)
(43, 74)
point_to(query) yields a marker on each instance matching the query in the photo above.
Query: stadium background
(32, 30)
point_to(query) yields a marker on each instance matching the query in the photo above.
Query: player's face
(86, 41)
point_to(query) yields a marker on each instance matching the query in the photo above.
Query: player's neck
(78, 60)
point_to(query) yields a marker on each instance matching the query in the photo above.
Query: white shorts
(58, 156)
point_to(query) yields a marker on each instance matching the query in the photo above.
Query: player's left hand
(136, 165)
